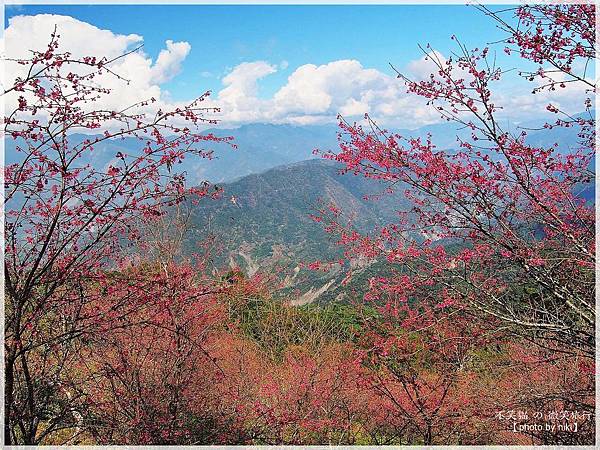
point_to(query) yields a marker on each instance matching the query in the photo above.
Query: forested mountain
(263, 221)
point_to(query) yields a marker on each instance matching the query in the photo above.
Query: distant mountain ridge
(261, 147)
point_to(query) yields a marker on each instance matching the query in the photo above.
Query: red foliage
(146, 382)
(304, 398)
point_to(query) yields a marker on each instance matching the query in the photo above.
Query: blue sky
(296, 64)
(223, 36)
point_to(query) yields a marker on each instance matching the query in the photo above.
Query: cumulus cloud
(311, 94)
(319, 89)
(420, 69)
(25, 33)
(522, 105)
(168, 63)
(242, 80)
(317, 94)
(238, 99)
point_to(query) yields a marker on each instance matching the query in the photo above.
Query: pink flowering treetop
(65, 218)
(497, 225)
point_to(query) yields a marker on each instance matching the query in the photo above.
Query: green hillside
(268, 226)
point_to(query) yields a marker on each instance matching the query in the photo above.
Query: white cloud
(354, 107)
(311, 94)
(420, 69)
(33, 32)
(347, 88)
(317, 94)
(81, 39)
(168, 63)
(238, 99)
(523, 105)
(319, 89)
(242, 80)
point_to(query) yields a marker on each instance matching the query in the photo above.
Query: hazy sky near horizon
(295, 64)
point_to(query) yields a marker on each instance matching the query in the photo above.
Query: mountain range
(272, 183)
(261, 147)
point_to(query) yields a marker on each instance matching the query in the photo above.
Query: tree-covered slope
(263, 221)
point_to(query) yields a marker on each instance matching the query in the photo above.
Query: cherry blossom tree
(66, 219)
(497, 224)
(498, 228)
(150, 381)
